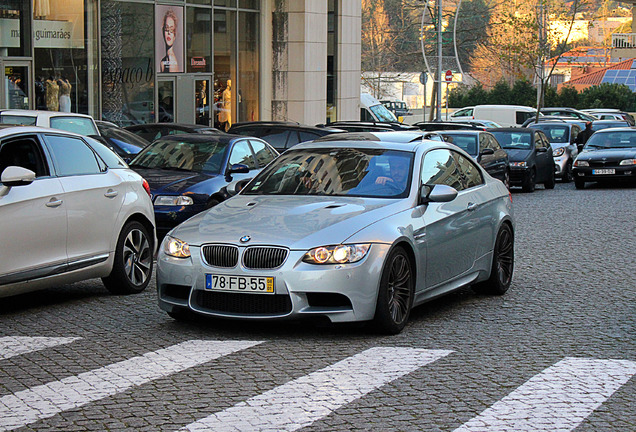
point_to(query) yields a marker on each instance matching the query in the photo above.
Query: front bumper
(560, 164)
(342, 293)
(518, 175)
(621, 173)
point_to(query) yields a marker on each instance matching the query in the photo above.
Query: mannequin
(52, 95)
(65, 94)
(225, 116)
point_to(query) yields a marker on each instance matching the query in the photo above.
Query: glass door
(202, 101)
(166, 100)
(16, 85)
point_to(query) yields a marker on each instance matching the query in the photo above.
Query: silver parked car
(562, 138)
(351, 231)
(71, 210)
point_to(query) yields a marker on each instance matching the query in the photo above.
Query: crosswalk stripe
(301, 402)
(559, 398)
(11, 346)
(31, 405)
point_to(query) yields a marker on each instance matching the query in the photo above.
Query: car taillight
(510, 195)
(146, 187)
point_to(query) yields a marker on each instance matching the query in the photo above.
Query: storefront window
(127, 62)
(331, 61)
(64, 56)
(248, 87)
(224, 68)
(198, 40)
(226, 3)
(14, 28)
(249, 4)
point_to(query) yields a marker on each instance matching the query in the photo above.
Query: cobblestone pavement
(556, 353)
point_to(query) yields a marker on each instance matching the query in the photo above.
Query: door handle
(53, 202)
(471, 206)
(111, 193)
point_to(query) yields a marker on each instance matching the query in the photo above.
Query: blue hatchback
(189, 173)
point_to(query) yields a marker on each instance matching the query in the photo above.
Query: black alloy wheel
(503, 261)
(395, 297)
(132, 266)
(530, 182)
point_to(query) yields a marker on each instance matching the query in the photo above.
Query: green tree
(477, 95)
(501, 93)
(523, 93)
(568, 97)
(608, 95)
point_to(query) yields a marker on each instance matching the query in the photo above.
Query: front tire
(551, 182)
(503, 261)
(567, 174)
(579, 184)
(530, 182)
(132, 266)
(395, 296)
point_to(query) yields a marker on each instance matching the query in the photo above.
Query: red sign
(449, 75)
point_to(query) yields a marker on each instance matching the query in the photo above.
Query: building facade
(213, 62)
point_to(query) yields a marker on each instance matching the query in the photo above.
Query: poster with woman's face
(169, 38)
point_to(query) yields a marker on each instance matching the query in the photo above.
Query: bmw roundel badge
(245, 239)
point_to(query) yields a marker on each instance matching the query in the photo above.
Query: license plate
(255, 284)
(604, 171)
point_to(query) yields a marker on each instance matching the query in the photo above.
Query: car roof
(196, 137)
(412, 147)
(282, 125)
(41, 113)
(568, 125)
(381, 136)
(510, 129)
(617, 129)
(463, 131)
(175, 125)
(8, 129)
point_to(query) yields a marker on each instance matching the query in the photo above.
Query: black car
(281, 135)
(367, 126)
(562, 138)
(485, 149)
(123, 142)
(605, 124)
(153, 131)
(567, 112)
(444, 126)
(189, 173)
(530, 156)
(608, 156)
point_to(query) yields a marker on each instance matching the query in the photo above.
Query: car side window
(25, 152)
(275, 137)
(575, 132)
(538, 141)
(242, 154)
(483, 142)
(263, 154)
(439, 167)
(308, 136)
(72, 156)
(18, 120)
(494, 143)
(470, 173)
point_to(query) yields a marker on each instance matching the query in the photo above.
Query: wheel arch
(149, 225)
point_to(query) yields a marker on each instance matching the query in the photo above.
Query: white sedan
(71, 209)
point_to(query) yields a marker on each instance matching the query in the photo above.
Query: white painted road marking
(28, 406)
(11, 346)
(558, 399)
(301, 402)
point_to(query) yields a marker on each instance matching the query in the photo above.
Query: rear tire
(503, 261)
(551, 182)
(395, 296)
(132, 266)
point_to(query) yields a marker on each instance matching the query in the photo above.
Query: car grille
(598, 163)
(256, 257)
(220, 255)
(246, 304)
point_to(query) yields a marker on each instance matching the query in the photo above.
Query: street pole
(438, 112)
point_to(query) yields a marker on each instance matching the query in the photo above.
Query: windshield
(191, 156)
(555, 133)
(382, 113)
(514, 140)
(127, 141)
(596, 126)
(336, 172)
(605, 140)
(79, 125)
(468, 143)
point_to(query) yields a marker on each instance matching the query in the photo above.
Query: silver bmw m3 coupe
(350, 231)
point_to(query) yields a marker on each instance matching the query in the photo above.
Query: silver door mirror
(17, 176)
(438, 193)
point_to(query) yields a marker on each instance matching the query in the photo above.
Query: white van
(505, 115)
(371, 110)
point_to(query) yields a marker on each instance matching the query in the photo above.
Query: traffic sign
(449, 75)
(423, 77)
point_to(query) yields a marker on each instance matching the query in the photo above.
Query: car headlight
(340, 254)
(173, 200)
(628, 162)
(558, 152)
(175, 248)
(581, 163)
(519, 164)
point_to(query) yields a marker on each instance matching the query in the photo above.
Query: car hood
(169, 181)
(518, 155)
(609, 155)
(297, 222)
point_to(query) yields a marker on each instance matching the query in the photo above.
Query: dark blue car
(189, 173)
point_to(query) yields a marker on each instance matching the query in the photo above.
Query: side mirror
(486, 151)
(17, 176)
(239, 169)
(236, 186)
(438, 193)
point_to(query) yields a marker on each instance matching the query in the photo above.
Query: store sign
(46, 34)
